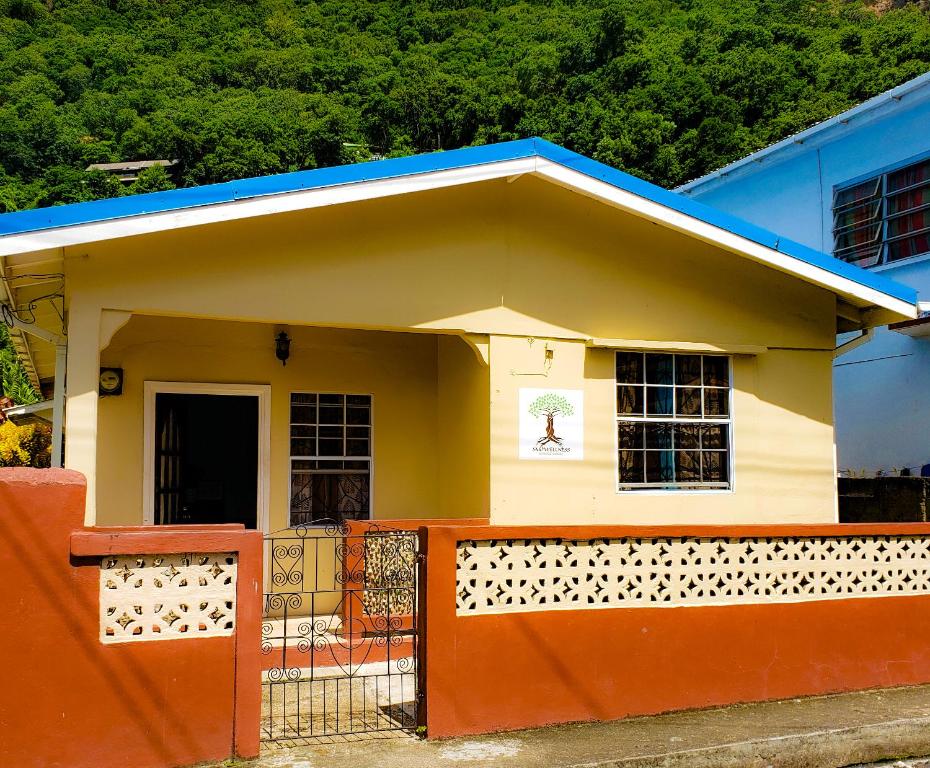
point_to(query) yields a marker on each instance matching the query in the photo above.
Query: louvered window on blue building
(883, 219)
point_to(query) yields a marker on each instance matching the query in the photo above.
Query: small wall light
(282, 347)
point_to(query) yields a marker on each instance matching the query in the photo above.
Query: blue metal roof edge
(34, 220)
(21, 222)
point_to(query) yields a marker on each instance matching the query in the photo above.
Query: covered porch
(209, 426)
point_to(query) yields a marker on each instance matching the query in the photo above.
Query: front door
(206, 459)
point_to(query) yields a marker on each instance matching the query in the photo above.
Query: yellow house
(511, 331)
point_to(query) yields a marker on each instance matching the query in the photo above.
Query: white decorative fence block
(165, 597)
(555, 574)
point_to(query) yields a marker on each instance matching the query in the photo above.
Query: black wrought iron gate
(339, 634)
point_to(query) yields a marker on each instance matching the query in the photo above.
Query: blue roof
(36, 220)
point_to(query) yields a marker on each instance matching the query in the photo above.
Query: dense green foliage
(14, 382)
(666, 90)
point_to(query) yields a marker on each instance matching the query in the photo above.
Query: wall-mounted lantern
(282, 347)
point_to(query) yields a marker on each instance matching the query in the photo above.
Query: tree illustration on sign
(550, 405)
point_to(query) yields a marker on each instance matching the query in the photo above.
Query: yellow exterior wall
(399, 371)
(782, 444)
(511, 261)
(464, 430)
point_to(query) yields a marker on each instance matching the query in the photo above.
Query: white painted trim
(261, 391)
(264, 205)
(681, 222)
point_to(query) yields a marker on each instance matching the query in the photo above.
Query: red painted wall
(520, 670)
(66, 699)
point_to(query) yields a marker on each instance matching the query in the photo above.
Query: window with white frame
(885, 218)
(673, 421)
(330, 457)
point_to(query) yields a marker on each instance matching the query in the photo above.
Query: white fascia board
(27, 410)
(761, 254)
(284, 202)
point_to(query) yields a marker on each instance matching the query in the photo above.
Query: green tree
(550, 405)
(666, 91)
(13, 377)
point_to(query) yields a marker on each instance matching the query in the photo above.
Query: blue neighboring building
(857, 186)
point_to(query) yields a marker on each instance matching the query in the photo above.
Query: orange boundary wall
(519, 670)
(68, 700)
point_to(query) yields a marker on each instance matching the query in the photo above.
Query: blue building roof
(23, 222)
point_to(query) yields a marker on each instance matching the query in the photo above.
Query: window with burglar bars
(673, 421)
(330, 457)
(885, 218)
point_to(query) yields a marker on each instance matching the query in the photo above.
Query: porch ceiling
(33, 285)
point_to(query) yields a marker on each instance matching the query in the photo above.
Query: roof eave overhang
(848, 290)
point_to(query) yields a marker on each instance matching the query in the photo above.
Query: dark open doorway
(206, 459)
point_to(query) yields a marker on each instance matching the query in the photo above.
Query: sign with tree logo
(552, 424)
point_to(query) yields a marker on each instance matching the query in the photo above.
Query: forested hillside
(666, 90)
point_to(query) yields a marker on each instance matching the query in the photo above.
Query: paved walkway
(821, 732)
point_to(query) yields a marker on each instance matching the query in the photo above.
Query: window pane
(688, 401)
(909, 246)
(630, 435)
(631, 467)
(358, 415)
(357, 441)
(716, 402)
(688, 466)
(357, 448)
(909, 176)
(857, 237)
(659, 401)
(688, 370)
(303, 447)
(658, 435)
(330, 441)
(660, 466)
(630, 401)
(629, 367)
(303, 414)
(714, 466)
(659, 369)
(911, 222)
(714, 436)
(857, 194)
(687, 436)
(864, 256)
(907, 201)
(363, 400)
(331, 414)
(716, 371)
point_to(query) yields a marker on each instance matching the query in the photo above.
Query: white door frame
(261, 391)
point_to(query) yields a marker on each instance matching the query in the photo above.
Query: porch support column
(58, 404)
(82, 383)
